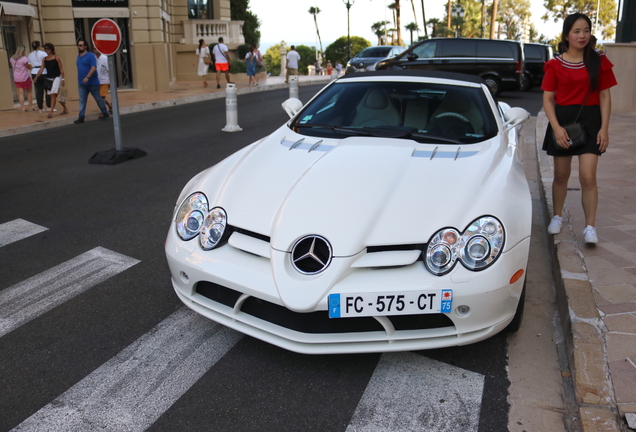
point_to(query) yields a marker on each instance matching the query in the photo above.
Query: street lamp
(348, 4)
(457, 12)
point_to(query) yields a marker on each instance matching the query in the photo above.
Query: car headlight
(476, 248)
(442, 251)
(190, 216)
(213, 228)
(481, 243)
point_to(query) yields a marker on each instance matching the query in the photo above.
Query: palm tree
(434, 22)
(414, 19)
(379, 29)
(315, 11)
(424, 20)
(411, 27)
(395, 7)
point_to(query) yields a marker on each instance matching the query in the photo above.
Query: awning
(101, 12)
(17, 9)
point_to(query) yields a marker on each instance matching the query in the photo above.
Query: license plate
(382, 304)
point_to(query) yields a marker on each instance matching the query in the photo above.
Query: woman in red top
(578, 75)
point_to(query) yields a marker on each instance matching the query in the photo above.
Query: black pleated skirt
(590, 118)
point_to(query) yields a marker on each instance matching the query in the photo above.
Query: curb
(582, 325)
(153, 105)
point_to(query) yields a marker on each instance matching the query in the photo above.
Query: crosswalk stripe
(408, 392)
(18, 229)
(134, 388)
(31, 298)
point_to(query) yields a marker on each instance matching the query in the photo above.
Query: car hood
(359, 191)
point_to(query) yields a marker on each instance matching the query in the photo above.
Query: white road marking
(18, 229)
(31, 298)
(133, 389)
(408, 392)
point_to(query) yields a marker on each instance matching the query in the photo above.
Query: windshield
(374, 52)
(427, 113)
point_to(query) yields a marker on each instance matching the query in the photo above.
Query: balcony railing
(211, 30)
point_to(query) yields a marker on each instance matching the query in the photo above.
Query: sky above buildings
(289, 20)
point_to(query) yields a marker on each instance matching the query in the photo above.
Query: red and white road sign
(106, 36)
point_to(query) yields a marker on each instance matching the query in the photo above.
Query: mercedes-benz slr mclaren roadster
(391, 213)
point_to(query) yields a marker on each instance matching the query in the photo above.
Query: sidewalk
(14, 121)
(596, 285)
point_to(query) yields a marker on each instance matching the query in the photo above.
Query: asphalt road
(120, 346)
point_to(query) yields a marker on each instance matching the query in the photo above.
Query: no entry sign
(106, 36)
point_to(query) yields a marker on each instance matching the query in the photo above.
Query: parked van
(536, 56)
(499, 62)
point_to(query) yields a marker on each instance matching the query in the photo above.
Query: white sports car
(391, 213)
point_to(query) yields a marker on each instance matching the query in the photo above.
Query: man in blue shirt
(88, 81)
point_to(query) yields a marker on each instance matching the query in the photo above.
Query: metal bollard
(231, 109)
(293, 87)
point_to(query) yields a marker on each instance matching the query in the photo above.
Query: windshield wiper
(427, 137)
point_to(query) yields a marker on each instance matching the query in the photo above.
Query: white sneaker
(590, 235)
(555, 225)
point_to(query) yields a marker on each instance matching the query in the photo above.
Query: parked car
(391, 213)
(499, 62)
(366, 59)
(536, 56)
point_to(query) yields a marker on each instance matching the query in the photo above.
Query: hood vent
(454, 154)
(302, 144)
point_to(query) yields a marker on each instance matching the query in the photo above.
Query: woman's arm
(562, 138)
(602, 138)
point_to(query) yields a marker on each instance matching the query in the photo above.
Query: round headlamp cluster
(476, 248)
(194, 218)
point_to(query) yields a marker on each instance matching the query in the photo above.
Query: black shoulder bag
(578, 137)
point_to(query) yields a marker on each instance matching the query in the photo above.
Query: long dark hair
(51, 47)
(201, 43)
(35, 45)
(590, 56)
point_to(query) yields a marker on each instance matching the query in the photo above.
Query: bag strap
(584, 102)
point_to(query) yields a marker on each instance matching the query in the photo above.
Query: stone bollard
(231, 109)
(293, 87)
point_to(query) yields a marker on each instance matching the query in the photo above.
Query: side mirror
(292, 106)
(514, 117)
(503, 107)
(412, 57)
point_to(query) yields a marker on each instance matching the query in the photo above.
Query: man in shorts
(104, 78)
(221, 62)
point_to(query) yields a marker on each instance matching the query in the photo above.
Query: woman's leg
(562, 169)
(53, 100)
(39, 92)
(589, 189)
(30, 98)
(21, 97)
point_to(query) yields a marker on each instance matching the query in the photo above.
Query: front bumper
(238, 289)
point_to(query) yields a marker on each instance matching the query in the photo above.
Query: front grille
(316, 322)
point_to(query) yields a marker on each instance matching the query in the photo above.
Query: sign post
(106, 37)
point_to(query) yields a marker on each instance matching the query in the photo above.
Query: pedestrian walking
(221, 62)
(577, 90)
(329, 67)
(104, 77)
(292, 63)
(259, 62)
(36, 57)
(251, 65)
(54, 76)
(204, 60)
(338, 68)
(88, 82)
(22, 77)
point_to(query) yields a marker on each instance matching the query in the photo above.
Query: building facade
(159, 37)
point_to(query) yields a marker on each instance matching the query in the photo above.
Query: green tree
(470, 24)
(433, 22)
(379, 29)
(239, 11)
(337, 51)
(605, 15)
(411, 27)
(307, 57)
(314, 11)
(395, 8)
(511, 16)
(272, 59)
(424, 20)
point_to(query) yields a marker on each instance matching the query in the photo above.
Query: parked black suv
(536, 56)
(499, 62)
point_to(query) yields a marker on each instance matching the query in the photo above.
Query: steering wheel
(453, 114)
